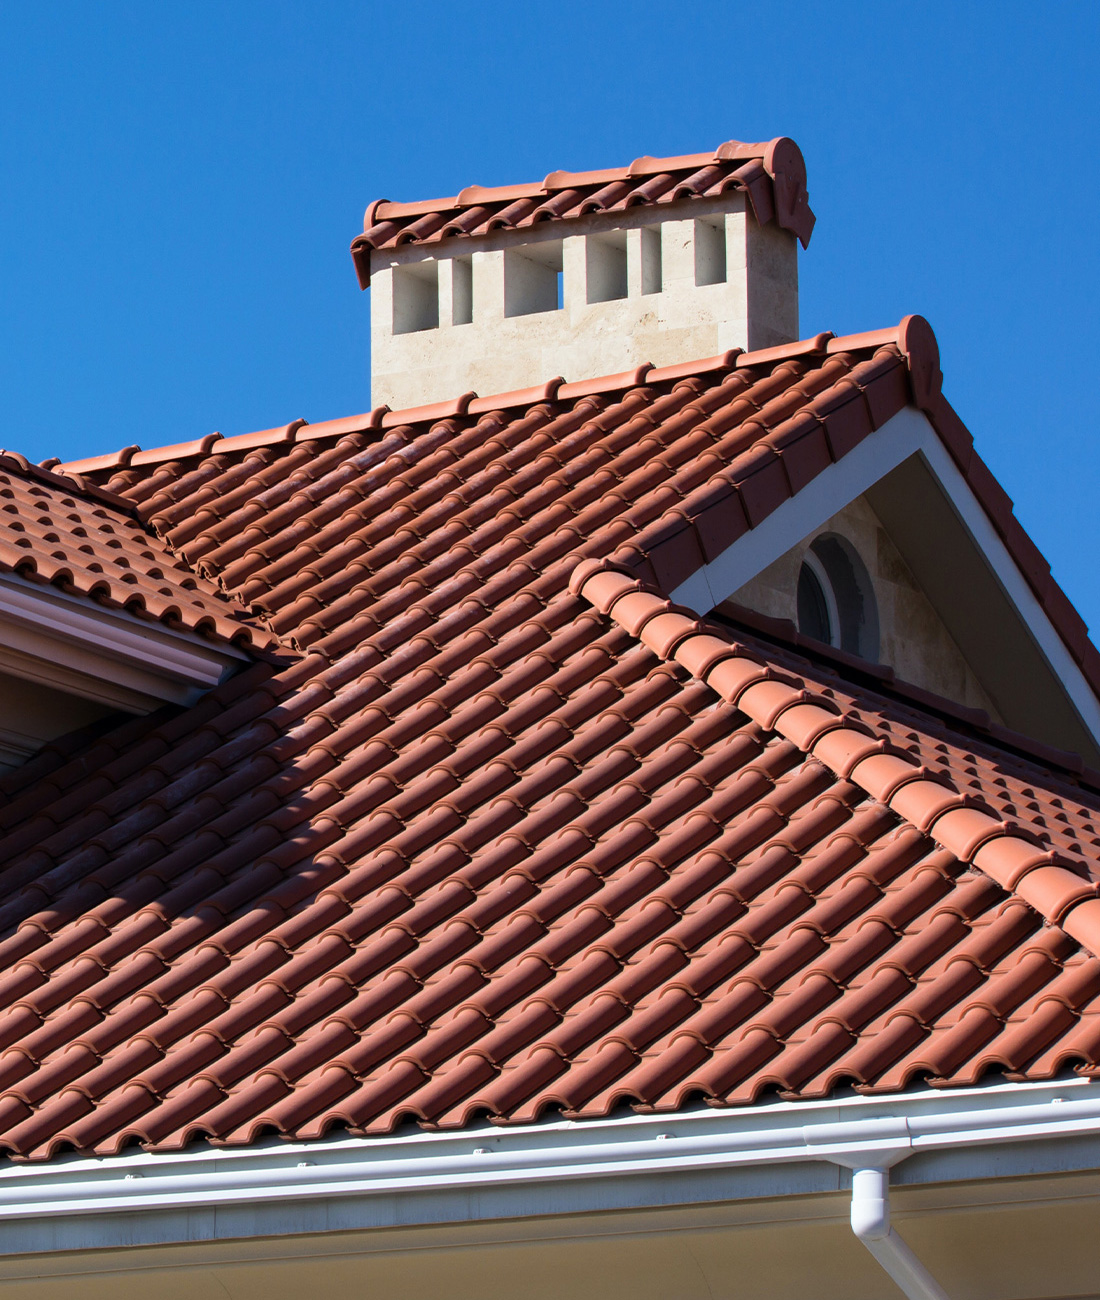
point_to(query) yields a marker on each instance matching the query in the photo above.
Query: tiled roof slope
(64, 531)
(772, 174)
(511, 834)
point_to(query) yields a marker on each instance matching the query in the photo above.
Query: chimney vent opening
(605, 266)
(532, 277)
(651, 259)
(598, 294)
(710, 252)
(415, 297)
(462, 291)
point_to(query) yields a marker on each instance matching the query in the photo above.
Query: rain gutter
(867, 1136)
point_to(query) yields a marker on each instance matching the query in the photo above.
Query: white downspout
(871, 1224)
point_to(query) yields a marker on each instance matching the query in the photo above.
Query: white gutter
(866, 1133)
(207, 1194)
(871, 1224)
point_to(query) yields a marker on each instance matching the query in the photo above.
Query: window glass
(835, 600)
(813, 612)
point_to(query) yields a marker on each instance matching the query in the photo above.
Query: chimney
(589, 273)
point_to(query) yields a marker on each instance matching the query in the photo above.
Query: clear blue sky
(181, 183)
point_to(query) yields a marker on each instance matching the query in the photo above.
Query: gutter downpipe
(871, 1224)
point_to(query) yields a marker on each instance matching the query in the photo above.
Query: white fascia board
(553, 1158)
(827, 493)
(101, 654)
(906, 434)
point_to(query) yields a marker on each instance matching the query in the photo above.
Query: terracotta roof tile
(772, 174)
(514, 833)
(59, 529)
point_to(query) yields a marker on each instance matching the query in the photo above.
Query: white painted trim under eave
(906, 434)
(104, 655)
(16, 747)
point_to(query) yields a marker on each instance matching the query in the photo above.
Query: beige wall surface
(978, 1244)
(912, 637)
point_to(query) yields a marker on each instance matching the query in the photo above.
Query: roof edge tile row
(51, 473)
(471, 403)
(784, 632)
(1056, 888)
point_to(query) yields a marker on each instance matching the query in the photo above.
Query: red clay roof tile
(58, 529)
(514, 833)
(772, 174)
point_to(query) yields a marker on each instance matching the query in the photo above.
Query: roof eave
(995, 1131)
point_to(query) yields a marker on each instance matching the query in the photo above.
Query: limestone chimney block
(596, 295)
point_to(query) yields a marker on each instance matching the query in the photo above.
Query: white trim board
(107, 656)
(1007, 1133)
(905, 436)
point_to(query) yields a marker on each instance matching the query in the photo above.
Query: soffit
(781, 1247)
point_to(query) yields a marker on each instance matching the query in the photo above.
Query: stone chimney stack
(589, 273)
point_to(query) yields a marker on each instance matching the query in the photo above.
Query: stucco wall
(912, 637)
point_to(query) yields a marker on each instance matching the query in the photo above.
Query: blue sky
(181, 184)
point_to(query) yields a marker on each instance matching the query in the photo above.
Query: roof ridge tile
(772, 174)
(52, 473)
(601, 384)
(817, 345)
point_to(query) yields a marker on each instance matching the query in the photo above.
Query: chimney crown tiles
(498, 288)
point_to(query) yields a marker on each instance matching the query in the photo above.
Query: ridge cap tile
(771, 174)
(928, 805)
